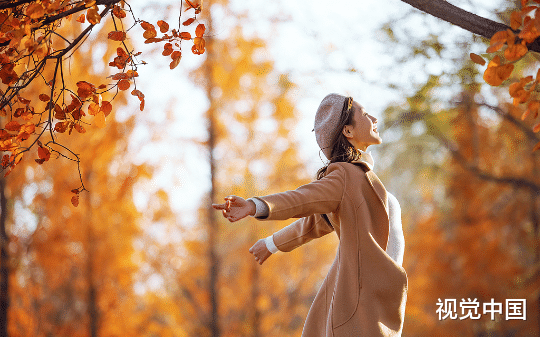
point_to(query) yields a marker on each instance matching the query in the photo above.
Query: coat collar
(380, 233)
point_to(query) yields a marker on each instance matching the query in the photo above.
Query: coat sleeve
(307, 202)
(301, 231)
(318, 197)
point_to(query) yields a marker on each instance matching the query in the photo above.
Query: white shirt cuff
(261, 210)
(270, 245)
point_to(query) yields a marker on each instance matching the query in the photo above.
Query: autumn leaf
(477, 59)
(515, 52)
(61, 127)
(146, 26)
(85, 89)
(149, 34)
(119, 12)
(117, 35)
(75, 200)
(515, 20)
(35, 11)
(93, 109)
(185, 35)
(106, 108)
(119, 76)
(167, 49)
(497, 41)
(81, 18)
(163, 26)
(44, 97)
(79, 128)
(93, 16)
(12, 126)
(199, 31)
(99, 120)
(44, 153)
(188, 22)
(123, 84)
(175, 61)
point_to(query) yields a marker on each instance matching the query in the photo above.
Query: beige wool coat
(365, 291)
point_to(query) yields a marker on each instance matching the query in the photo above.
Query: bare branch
(471, 22)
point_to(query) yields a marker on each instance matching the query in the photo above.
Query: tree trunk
(92, 294)
(4, 260)
(213, 226)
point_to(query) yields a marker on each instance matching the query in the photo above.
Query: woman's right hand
(236, 208)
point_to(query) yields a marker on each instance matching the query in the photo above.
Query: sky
(317, 43)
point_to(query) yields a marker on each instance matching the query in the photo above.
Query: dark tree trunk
(4, 260)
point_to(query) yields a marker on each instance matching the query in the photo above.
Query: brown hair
(342, 149)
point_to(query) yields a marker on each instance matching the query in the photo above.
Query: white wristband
(270, 245)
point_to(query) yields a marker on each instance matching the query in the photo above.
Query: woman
(365, 291)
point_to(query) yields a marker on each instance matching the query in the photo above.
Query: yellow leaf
(99, 120)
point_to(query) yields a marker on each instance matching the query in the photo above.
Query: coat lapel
(382, 229)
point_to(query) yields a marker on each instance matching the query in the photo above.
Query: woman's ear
(347, 131)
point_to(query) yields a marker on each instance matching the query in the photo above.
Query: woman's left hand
(260, 251)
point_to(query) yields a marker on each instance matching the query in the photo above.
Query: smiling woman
(365, 291)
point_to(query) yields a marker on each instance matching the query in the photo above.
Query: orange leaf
(477, 59)
(132, 73)
(536, 128)
(175, 62)
(106, 107)
(44, 98)
(515, 52)
(501, 36)
(118, 12)
(35, 11)
(99, 120)
(93, 109)
(138, 93)
(149, 34)
(495, 47)
(61, 127)
(146, 25)
(75, 200)
(199, 31)
(163, 26)
(80, 128)
(188, 21)
(117, 35)
(123, 84)
(44, 153)
(81, 18)
(141, 106)
(185, 36)
(13, 126)
(119, 76)
(93, 16)
(515, 20)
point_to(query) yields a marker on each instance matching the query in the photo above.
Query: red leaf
(163, 26)
(188, 22)
(199, 31)
(75, 200)
(123, 84)
(13, 126)
(117, 35)
(44, 98)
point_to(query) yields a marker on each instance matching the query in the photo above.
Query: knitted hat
(327, 120)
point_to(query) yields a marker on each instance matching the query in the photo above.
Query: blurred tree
(72, 268)
(474, 209)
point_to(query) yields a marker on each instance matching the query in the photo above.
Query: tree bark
(466, 20)
(213, 225)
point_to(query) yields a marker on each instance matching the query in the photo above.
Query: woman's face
(363, 130)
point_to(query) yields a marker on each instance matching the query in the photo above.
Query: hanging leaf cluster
(510, 46)
(34, 52)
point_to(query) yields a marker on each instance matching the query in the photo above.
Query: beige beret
(327, 120)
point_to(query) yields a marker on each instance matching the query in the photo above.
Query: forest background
(142, 255)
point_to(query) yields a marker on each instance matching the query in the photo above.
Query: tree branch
(466, 20)
(474, 169)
